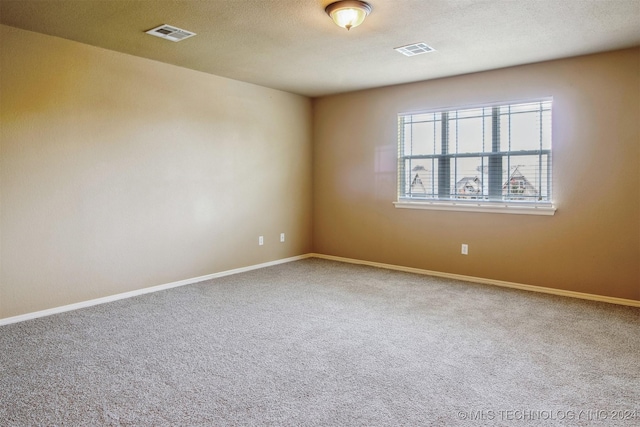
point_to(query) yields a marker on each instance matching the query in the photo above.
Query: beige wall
(119, 173)
(591, 245)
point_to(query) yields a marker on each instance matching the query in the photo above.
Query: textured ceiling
(292, 45)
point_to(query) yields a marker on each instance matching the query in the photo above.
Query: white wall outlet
(465, 249)
(281, 237)
(261, 240)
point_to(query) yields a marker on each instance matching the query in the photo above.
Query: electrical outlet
(281, 237)
(465, 249)
(261, 240)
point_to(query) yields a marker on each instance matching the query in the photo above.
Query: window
(488, 158)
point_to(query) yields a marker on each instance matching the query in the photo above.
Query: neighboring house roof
(420, 180)
(469, 185)
(518, 184)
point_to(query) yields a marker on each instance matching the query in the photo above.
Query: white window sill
(463, 206)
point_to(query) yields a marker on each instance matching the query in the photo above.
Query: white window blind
(492, 154)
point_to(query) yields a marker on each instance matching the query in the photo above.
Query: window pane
(524, 107)
(407, 138)
(525, 131)
(504, 132)
(545, 177)
(524, 179)
(434, 180)
(446, 181)
(469, 180)
(453, 132)
(423, 138)
(488, 131)
(546, 129)
(470, 135)
(425, 117)
(418, 177)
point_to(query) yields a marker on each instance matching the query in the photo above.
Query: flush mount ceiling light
(348, 13)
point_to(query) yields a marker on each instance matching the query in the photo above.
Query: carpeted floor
(322, 343)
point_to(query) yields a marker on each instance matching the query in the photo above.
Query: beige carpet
(322, 343)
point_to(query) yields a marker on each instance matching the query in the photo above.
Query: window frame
(488, 202)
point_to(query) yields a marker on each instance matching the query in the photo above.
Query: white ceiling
(293, 45)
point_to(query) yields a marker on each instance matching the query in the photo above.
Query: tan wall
(119, 173)
(591, 245)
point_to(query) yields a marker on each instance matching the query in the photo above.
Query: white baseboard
(103, 300)
(116, 297)
(552, 291)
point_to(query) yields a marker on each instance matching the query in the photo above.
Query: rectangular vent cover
(170, 32)
(414, 49)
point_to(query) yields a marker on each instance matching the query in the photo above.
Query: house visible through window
(493, 154)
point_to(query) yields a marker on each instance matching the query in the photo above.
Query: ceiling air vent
(414, 49)
(169, 32)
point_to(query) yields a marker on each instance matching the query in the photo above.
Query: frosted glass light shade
(348, 13)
